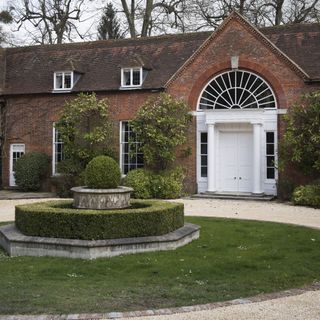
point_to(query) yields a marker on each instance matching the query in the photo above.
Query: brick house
(238, 82)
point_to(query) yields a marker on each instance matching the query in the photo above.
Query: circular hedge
(58, 219)
(102, 172)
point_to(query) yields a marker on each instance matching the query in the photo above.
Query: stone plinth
(17, 244)
(101, 199)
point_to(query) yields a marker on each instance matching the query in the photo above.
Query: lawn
(232, 259)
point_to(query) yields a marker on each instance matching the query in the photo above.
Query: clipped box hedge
(57, 219)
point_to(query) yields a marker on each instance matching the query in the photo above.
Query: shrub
(86, 131)
(140, 181)
(168, 184)
(308, 195)
(285, 188)
(301, 142)
(57, 219)
(161, 125)
(30, 170)
(102, 172)
(163, 185)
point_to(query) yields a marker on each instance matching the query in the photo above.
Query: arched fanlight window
(237, 89)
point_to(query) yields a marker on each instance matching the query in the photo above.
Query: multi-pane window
(63, 80)
(16, 151)
(270, 154)
(131, 154)
(131, 77)
(58, 155)
(237, 89)
(204, 154)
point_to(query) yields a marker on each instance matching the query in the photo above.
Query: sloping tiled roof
(301, 43)
(30, 69)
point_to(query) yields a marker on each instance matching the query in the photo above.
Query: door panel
(235, 161)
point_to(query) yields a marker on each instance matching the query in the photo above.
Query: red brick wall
(29, 120)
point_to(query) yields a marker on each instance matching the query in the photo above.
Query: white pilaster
(211, 159)
(257, 158)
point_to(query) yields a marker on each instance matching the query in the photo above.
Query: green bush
(164, 185)
(308, 195)
(168, 184)
(140, 181)
(30, 170)
(57, 219)
(102, 172)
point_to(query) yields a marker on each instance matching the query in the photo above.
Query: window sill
(61, 90)
(130, 88)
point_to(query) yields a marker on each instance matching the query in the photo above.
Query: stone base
(17, 244)
(101, 199)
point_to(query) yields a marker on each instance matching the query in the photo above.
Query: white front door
(16, 151)
(235, 162)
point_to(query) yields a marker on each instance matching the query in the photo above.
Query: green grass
(232, 259)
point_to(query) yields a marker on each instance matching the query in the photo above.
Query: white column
(256, 158)
(211, 159)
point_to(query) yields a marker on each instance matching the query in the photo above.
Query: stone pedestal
(101, 199)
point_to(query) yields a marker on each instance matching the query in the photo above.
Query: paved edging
(169, 311)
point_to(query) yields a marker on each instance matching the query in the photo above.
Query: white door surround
(243, 132)
(16, 151)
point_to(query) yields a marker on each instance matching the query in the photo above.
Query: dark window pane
(270, 149)
(204, 148)
(204, 137)
(270, 173)
(203, 160)
(270, 161)
(67, 81)
(136, 77)
(203, 171)
(270, 137)
(127, 78)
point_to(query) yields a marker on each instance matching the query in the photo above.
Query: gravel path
(305, 306)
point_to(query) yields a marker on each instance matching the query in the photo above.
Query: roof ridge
(112, 41)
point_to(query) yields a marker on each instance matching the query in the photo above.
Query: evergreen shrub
(167, 184)
(308, 195)
(102, 172)
(57, 219)
(30, 170)
(140, 180)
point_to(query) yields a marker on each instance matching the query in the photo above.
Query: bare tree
(145, 17)
(54, 20)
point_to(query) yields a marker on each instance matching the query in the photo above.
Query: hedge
(57, 219)
(308, 195)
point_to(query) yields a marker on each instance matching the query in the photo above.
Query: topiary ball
(102, 172)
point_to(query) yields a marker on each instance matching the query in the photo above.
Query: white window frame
(54, 144)
(275, 155)
(20, 148)
(121, 145)
(131, 85)
(63, 76)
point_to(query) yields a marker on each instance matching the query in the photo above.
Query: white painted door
(235, 161)
(16, 151)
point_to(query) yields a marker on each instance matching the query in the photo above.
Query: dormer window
(63, 80)
(131, 77)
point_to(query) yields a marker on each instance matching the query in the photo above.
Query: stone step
(233, 196)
